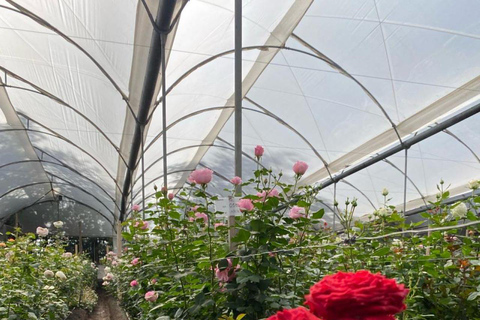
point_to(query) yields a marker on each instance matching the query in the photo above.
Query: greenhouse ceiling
(332, 83)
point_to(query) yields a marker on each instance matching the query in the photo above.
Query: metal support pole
(143, 173)
(238, 112)
(334, 204)
(119, 238)
(80, 240)
(163, 38)
(405, 175)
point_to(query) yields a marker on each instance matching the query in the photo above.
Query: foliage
(29, 291)
(184, 258)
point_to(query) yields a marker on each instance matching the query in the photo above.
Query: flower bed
(39, 280)
(177, 262)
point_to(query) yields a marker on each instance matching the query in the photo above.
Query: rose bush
(184, 267)
(39, 281)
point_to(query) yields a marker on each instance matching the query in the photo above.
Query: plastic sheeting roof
(329, 82)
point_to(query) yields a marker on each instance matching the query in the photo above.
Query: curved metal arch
(22, 187)
(360, 191)
(408, 178)
(450, 133)
(156, 178)
(265, 112)
(317, 55)
(53, 97)
(39, 183)
(81, 189)
(75, 171)
(336, 66)
(183, 149)
(61, 137)
(22, 10)
(57, 164)
(76, 202)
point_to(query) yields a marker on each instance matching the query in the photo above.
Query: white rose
(383, 212)
(60, 275)
(105, 283)
(107, 269)
(58, 224)
(42, 232)
(385, 192)
(67, 255)
(48, 274)
(473, 184)
(108, 277)
(397, 243)
(460, 210)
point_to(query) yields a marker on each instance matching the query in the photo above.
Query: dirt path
(106, 309)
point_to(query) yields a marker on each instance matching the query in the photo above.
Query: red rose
(356, 296)
(299, 313)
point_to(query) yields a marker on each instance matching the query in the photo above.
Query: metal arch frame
(317, 55)
(156, 178)
(463, 143)
(44, 23)
(360, 191)
(61, 137)
(265, 112)
(47, 94)
(408, 178)
(76, 203)
(336, 66)
(51, 182)
(81, 189)
(75, 171)
(57, 164)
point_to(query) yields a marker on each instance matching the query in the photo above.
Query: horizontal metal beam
(407, 143)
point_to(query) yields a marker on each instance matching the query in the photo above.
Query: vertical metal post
(238, 112)
(163, 41)
(238, 93)
(334, 205)
(405, 182)
(80, 240)
(119, 238)
(143, 173)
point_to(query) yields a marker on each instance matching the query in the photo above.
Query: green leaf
(242, 236)
(319, 214)
(474, 295)
(174, 215)
(382, 251)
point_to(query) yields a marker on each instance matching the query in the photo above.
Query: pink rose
(227, 274)
(245, 205)
(171, 196)
(219, 224)
(236, 181)
(201, 176)
(300, 168)
(135, 261)
(151, 296)
(201, 215)
(195, 208)
(144, 225)
(273, 193)
(259, 151)
(153, 281)
(136, 207)
(262, 195)
(191, 219)
(296, 212)
(133, 283)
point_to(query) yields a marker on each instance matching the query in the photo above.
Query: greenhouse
(229, 159)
